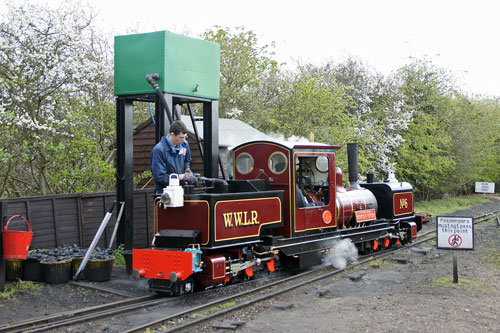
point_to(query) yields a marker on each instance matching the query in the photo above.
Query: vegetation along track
(204, 313)
(197, 315)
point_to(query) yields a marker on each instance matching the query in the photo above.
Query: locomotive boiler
(283, 207)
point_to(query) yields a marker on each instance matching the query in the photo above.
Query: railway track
(99, 312)
(197, 315)
(208, 312)
(80, 315)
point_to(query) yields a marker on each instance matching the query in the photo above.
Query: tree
(55, 95)
(311, 104)
(424, 158)
(248, 73)
(475, 145)
(377, 107)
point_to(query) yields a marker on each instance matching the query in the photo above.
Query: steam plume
(343, 252)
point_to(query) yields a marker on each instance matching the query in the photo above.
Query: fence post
(80, 220)
(54, 221)
(3, 213)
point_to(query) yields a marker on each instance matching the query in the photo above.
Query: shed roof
(232, 132)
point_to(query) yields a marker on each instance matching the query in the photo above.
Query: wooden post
(455, 268)
(3, 213)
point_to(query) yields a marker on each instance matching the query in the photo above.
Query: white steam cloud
(342, 252)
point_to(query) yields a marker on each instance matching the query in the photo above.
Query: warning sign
(455, 232)
(484, 187)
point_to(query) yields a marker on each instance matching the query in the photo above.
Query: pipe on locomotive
(352, 162)
(220, 185)
(151, 80)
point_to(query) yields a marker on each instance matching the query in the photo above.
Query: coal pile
(101, 254)
(59, 264)
(68, 251)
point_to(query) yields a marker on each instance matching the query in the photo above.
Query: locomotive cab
(305, 173)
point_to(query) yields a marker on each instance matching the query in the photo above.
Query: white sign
(455, 233)
(483, 187)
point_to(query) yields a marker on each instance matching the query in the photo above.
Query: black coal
(68, 251)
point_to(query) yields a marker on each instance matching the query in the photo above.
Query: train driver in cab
(171, 155)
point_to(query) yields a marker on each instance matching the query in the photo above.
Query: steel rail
(270, 295)
(72, 317)
(78, 315)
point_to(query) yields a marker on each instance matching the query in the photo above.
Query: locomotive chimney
(352, 161)
(370, 177)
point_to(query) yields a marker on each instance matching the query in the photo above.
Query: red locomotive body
(283, 206)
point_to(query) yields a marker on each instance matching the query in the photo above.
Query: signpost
(455, 233)
(484, 187)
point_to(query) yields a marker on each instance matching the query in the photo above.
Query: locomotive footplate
(322, 241)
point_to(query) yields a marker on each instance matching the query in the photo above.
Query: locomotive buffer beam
(323, 241)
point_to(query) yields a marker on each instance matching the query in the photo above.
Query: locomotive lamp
(173, 194)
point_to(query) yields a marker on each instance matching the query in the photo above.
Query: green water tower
(186, 66)
(181, 71)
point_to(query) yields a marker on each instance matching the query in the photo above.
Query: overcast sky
(462, 36)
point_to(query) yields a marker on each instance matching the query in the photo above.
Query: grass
(11, 290)
(378, 263)
(214, 309)
(464, 284)
(118, 254)
(493, 256)
(448, 206)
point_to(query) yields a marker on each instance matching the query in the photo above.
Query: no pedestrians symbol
(455, 240)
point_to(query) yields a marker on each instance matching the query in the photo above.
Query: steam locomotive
(283, 206)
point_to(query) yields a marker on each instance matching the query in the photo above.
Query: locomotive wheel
(387, 243)
(367, 248)
(407, 238)
(395, 242)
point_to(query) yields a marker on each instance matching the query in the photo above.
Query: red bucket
(16, 243)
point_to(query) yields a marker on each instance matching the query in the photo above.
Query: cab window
(311, 180)
(277, 162)
(244, 163)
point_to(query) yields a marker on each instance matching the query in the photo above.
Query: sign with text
(365, 215)
(483, 187)
(455, 233)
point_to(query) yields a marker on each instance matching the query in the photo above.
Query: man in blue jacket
(171, 155)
